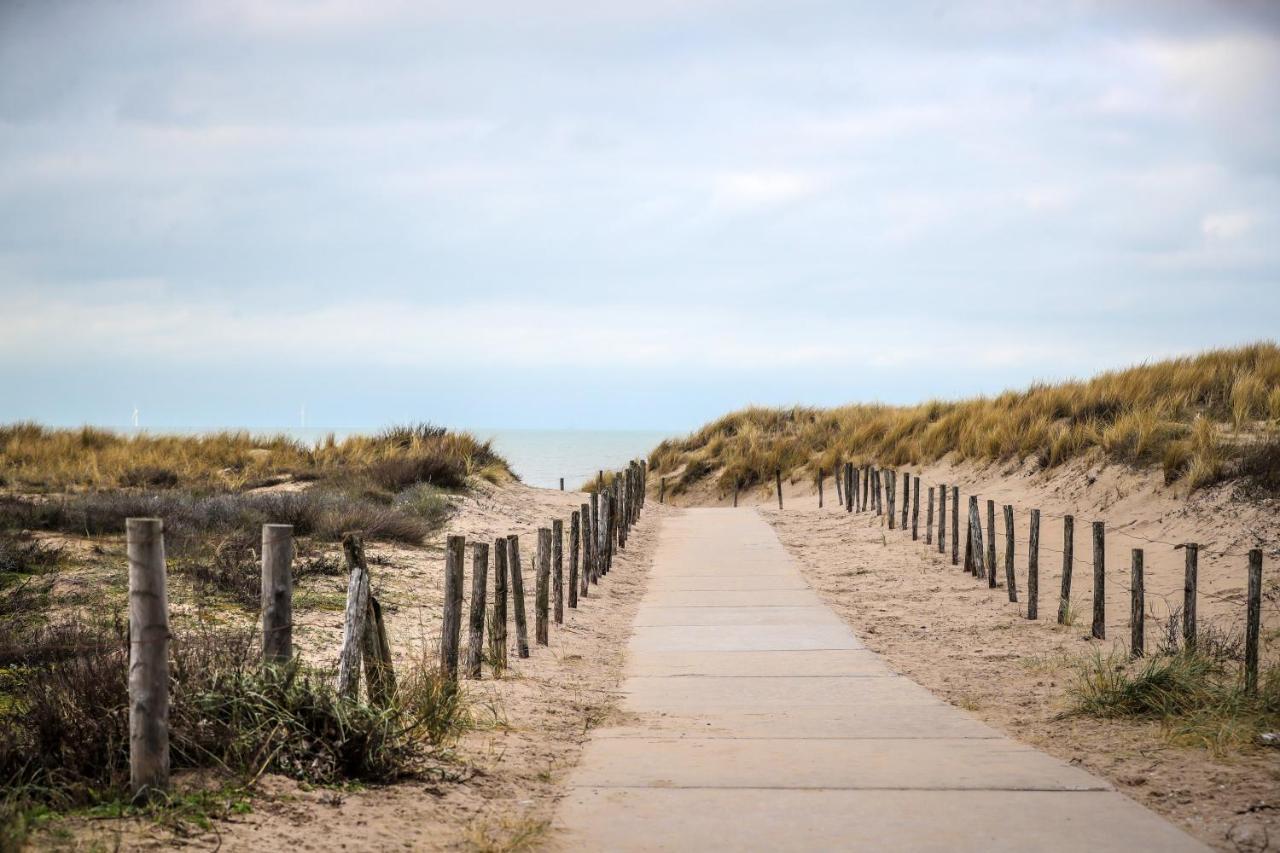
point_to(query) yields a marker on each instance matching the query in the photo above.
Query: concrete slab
(651, 616)
(710, 693)
(651, 819)
(718, 582)
(743, 638)
(882, 720)
(792, 663)
(732, 598)
(934, 764)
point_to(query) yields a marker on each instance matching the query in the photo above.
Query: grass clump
(1202, 419)
(1199, 697)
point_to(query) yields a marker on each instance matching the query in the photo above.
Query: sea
(539, 457)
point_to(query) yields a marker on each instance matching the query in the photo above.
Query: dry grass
(1198, 417)
(34, 457)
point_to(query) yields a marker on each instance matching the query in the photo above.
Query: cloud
(753, 190)
(1226, 226)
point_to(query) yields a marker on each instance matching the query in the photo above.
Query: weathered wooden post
(928, 523)
(584, 519)
(557, 568)
(857, 491)
(821, 476)
(915, 508)
(906, 498)
(353, 620)
(736, 483)
(498, 630)
(596, 554)
(942, 519)
(891, 494)
(1189, 596)
(573, 559)
(866, 485)
(955, 525)
(479, 592)
(662, 490)
(975, 534)
(277, 593)
(777, 476)
(1099, 580)
(1033, 567)
(848, 487)
(541, 603)
(1068, 559)
(1010, 578)
(517, 595)
(562, 484)
(148, 658)
(1137, 598)
(451, 623)
(992, 581)
(1253, 621)
(375, 648)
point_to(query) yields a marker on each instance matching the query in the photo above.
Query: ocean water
(540, 457)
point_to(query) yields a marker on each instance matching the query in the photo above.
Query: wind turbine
(135, 415)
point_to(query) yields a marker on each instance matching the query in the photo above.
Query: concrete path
(758, 721)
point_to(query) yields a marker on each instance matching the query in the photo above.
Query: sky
(619, 215)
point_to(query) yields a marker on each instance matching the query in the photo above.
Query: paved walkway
(759, 722)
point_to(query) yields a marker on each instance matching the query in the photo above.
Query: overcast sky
(633, 214)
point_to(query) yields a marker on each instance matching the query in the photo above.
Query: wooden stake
(1068, 558)
(517, 595)
(1253, 621)
(584, 519)
(1010, 578)
(541, 603)
(1137, 610)
(915, 508)
(992, 581)
(928, 523)
(498, 630)
(1189, 596)
(379, 672)
(777, 476)
(891, 492)
(573, 559)
(906, 498)
(942, 519)
(955, 525)
(354, 617)
(848, 487)
(562, 484)
(451, 624)
(148, 658)
(1099, 580)
(557, 569)
(662, 490)
(479, 592)
(1033, 567)
(277, 593)
(735, 493)
(857, 503)
(975, 533)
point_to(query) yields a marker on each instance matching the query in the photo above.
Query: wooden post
(777, 476)
(878, 492)
(498, 630)
(1137, 599)
(928, 523)
(891, 492)
(1010, 578)
(857, 504)
(451, 623)
(541, 603)
(379, 673)
(848, 487)
(573, 559)
(1033, 567)
(479, 592)
(1189, 596)
(955, 525)
(736, 483)
(562, 484)
(1068, 559)
(662, 490)
(1099, 580)
(1253, 621)
(595, 541)
(821, 476)
(148, 658)
(354, 617)
(906, 498)
(866, 485)
(277, 593)
(975, 534)
(915, 508)
(605, 534)
(557, 569)
(942, 519)
(517, 595)
(991, 545)
(835, 475)
(584, 520)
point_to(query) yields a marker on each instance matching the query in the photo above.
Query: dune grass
(1200, 418)
(39, 458)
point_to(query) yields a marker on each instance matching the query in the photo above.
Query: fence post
(354, 618)
(975, 538)
(451, 623)
(541, 603)
(915, 508)
(891, 492)
(835, 475)
(866, 486)
(1009, 577)
(557, 568)
(736, 482)
(562, 484)
(942, 519)
(595, 532)
(857, 491)
(848, 487)
(662, 490)
(517, 595)
(1253, 621)
(1033, 567)
(148, 658)
(906, 498)
(1137, 598)
(498, 630)
(821, 476)
(991, 544)
(928, 524)
(584, 521)
(573, 559)
(379, 673)
(1099, 580)
(955, 525)
(777, 476)
(1068, 559)
(1189, 596)
(479, 592)
(277, 593)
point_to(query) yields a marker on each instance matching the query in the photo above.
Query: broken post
(354, 617)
